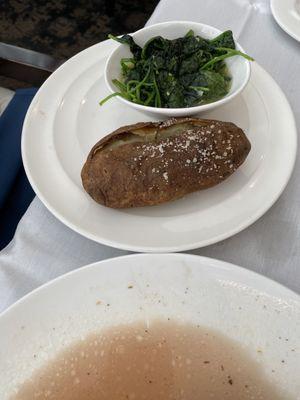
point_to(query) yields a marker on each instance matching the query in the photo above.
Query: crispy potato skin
(145, 173)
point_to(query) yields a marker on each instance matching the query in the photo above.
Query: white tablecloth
(43, 248)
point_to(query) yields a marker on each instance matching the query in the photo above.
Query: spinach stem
(235, 52)
(157, 97)
(204, 89)
(149, 99)
(109, 97)
(119, 85)
(229, 53)
(110, 36)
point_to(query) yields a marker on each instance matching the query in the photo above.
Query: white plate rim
(170, 248)
(236, 270)
(281, 24)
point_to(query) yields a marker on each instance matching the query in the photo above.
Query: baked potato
(153, 162)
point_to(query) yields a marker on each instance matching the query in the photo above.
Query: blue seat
(15, 190)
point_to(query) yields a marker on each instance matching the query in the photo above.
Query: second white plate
(287, 15)
(260, 316)
(64, 121)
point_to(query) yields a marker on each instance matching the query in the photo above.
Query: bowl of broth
(168, 326)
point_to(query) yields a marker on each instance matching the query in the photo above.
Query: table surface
(43, 248)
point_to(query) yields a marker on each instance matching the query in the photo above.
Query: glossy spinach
(183, 72)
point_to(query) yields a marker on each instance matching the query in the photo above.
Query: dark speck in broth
(158, 361)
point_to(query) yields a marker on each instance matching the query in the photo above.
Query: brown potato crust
(151, 163)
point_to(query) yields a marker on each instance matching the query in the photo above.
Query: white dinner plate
(262, 316)
(287, 15)
(65, 120)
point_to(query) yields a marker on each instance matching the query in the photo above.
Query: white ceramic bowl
(239, 67)
(259, 314)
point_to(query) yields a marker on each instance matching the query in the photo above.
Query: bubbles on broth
(166, 360)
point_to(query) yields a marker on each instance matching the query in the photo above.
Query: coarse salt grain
(167, 123)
